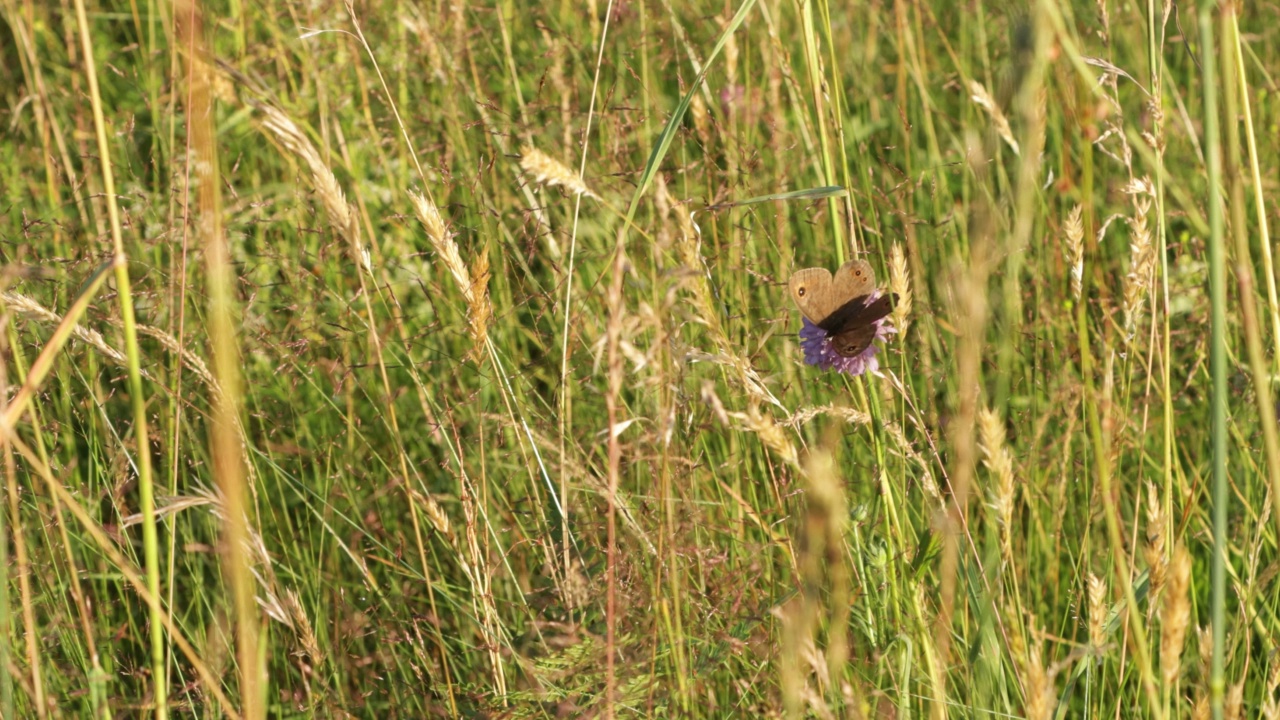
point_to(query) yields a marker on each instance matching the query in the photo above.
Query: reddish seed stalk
(615, 460)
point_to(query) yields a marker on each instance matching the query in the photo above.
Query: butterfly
(841, 304)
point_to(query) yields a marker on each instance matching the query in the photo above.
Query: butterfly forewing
(858, 312)
(852, 327)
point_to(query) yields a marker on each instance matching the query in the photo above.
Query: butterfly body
(846, 305)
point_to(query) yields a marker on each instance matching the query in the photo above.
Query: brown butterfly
(838, 304)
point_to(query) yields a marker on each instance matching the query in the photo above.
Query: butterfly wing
(811, 291)
(854, 341)
(853, 279)
(852, 327)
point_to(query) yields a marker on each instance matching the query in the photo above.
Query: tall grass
(435, 359)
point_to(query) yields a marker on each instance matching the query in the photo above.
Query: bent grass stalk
(209, 681)
(565, 405)
(224, 442)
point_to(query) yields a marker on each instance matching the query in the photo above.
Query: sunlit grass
(452, 343)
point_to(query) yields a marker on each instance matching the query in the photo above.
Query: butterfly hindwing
(853, 341)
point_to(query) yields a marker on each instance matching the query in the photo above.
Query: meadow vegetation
(435, 359)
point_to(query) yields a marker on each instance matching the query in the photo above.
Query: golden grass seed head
(1200, 708)
(900, 285)
(1204, 643)
(1073, 227)
(1176, 616)
(1097, 590)
(548, 171)
(978, 93)
(1233, 706)
(1153, 551)
(991, 439)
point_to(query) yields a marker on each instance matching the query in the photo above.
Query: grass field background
(418, 359)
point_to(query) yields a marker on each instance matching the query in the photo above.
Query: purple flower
(819, 351)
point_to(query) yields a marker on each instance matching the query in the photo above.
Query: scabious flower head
(819, 351)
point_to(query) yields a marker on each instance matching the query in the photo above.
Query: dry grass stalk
(479, 309)
(770, 433)
(1155, 111)
(663, 203)
(302, 626)
(712, 400)
(331, 196)
(730, 54)
(900, 285)
(1176, 616)
(847, 414)
(548, 171)
(1097, 588)
(997, 459)
(483, 605)
(699, 285)
(473, 283)
(1142, 263)
(1074, 229)
(190, 359)
(556, 74)
(983, 99)
(443, 243)
(613, 335)
(822, 560)
(429, 45)
(24, 306)
(1270, 708)
(435, 513)
(701, 119)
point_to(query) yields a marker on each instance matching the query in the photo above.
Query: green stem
(1244, 258)
(146, 488)
(1217, 355)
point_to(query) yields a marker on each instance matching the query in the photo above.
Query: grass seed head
(548, 171)
(1074, 230)
(900, 285)
(996, 457)
(1097, 589)
(1142, 262)
(978, 93)
(1154, 549)
(1176, 616)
